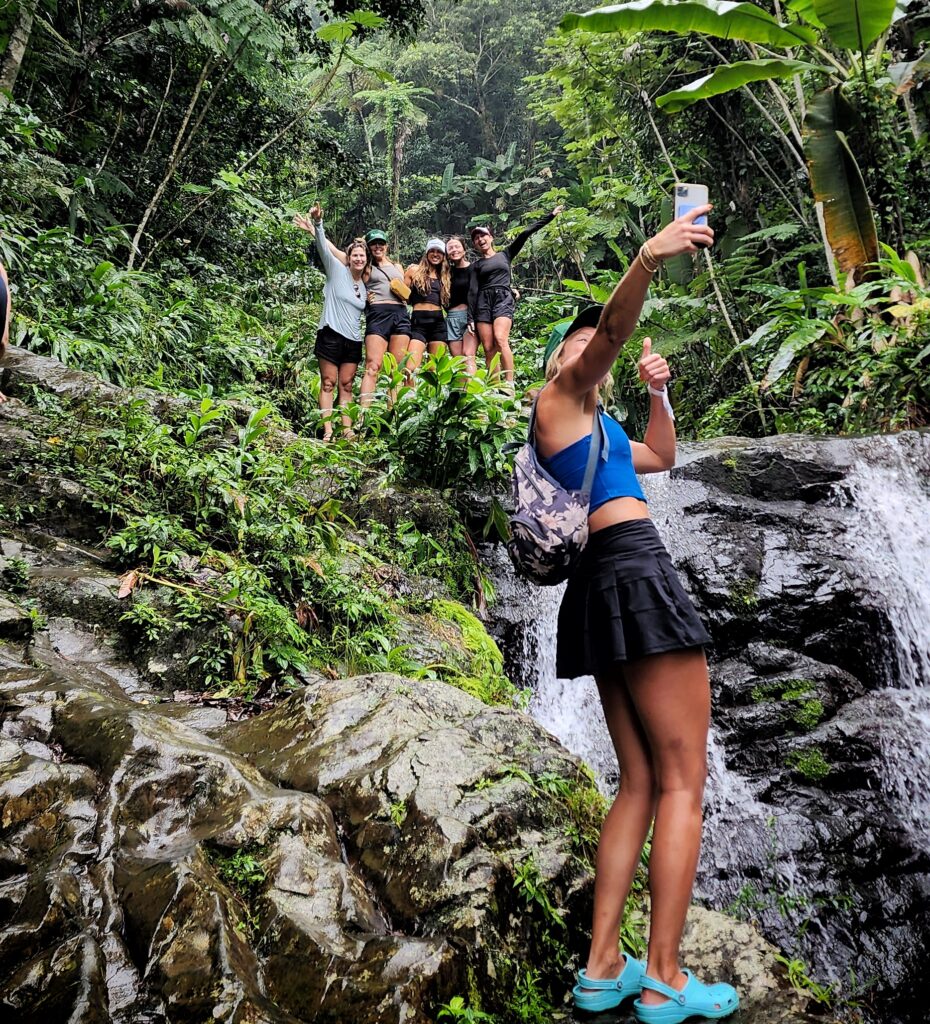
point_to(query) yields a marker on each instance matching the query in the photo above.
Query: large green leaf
(728, 77)
(804, 9)
(837, 181)
(855, 24)
(795, 343)
(724, 18)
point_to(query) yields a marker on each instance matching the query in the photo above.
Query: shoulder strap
(598, 444)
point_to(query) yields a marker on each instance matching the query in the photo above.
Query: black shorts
(623, 601)
(4, 305)
(492, 303)
(427, 326)
(387, 318)
(336, 348)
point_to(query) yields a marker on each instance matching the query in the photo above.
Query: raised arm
(309, 224)
(517, 244)
(621, 313)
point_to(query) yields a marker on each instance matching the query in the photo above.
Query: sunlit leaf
(728, 77)
(723, 18)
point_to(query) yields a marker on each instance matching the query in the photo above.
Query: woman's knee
(327, 384)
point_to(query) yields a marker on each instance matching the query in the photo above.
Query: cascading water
(771, 849)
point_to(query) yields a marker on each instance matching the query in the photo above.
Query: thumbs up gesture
(653, 369)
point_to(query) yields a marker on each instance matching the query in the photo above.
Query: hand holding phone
(689, 231)
(687, 197)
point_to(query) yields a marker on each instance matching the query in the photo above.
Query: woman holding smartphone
(462, 339)
(626, 620)
(491, 301)
(338, 346)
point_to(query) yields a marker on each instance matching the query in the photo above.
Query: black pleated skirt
(623, 601)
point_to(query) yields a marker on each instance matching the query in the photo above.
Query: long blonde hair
(605, 390)
(420, 277)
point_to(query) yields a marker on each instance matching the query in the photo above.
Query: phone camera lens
(681, 190)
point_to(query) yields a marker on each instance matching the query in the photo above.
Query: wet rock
(15, 621)
(734, 952)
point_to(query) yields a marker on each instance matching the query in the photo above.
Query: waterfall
(890, 542)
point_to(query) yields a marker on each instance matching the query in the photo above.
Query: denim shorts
(456, 324)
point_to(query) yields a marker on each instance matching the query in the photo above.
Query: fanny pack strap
(600, 445)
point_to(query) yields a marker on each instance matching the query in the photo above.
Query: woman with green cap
(626, 620)
(387, 324)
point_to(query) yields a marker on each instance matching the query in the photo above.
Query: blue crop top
(613, 478)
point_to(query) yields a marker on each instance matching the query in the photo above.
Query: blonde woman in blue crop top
(626, 620)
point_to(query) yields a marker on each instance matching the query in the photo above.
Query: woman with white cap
(429, 283)
(491, 301)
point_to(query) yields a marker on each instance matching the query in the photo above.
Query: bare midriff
(617, 510)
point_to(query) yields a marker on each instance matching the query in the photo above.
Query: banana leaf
(855, 24)
(804, 9)
(724, 18)
(728, 77)
(837, 181)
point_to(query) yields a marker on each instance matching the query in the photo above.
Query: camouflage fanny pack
(549, 527)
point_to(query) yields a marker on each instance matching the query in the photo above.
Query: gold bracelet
(651, 255)
(646, 267)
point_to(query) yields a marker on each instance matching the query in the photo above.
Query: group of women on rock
(453, 302)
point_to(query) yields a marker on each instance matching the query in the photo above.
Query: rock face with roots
(364, 851)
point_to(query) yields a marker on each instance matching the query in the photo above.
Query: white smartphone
(689, 196)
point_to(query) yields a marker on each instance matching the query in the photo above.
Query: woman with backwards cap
(626, 620)
(429, 286)
(490, 300)
(387, 324)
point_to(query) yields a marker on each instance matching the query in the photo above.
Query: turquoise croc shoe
(594, 995)
(695, 1000)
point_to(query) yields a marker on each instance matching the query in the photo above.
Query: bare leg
(501, 328)
(329, 374)
(415, 351)
(486, 336)
(436, 347)
(625, 828)
(671, 695)
(375, 347)
(400, 348)
(470, 350)
(347, 373)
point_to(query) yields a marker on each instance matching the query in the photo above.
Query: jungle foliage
(154, 154)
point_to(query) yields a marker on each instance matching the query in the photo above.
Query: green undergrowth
(244, 872)
(250, 542)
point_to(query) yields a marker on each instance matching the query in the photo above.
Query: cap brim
(589, 317)
(480, 231)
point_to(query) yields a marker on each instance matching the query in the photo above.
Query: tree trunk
(16, 48)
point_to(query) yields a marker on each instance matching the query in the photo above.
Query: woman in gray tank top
(387, 324)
